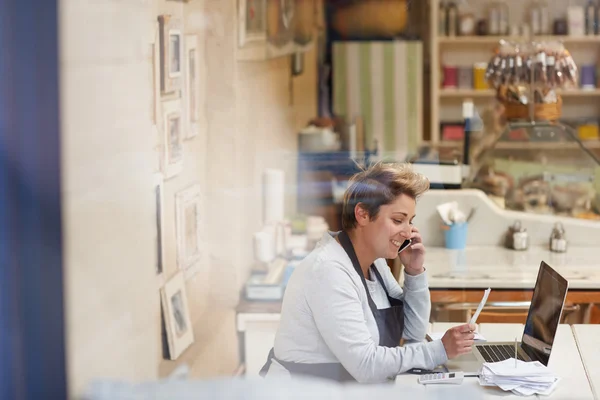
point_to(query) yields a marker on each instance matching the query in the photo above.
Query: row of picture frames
(177, 106)
(176, 112)
(177, 329)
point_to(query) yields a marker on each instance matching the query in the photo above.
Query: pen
(515, 352)
(420, 371)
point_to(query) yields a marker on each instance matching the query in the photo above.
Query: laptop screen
(544, 313)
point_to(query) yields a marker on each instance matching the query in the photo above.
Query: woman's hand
(413, 257)
(459, 340)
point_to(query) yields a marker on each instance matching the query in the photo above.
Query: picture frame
(171, 50)
(178, 323)
(172, 133)
(188, 214)
(252, 17)
(159, 218)
(191, 94)
(156, 76)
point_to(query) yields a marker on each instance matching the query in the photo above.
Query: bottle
(536, 27)
(504, 19)
(545, 28)
(443, 19)
(493, 20)
(468, 110)
(597, 21)
(452, 19)
(590, 18)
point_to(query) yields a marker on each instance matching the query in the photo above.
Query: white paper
(480, 307)
(520, 377)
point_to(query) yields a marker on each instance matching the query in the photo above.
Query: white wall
(109, 157)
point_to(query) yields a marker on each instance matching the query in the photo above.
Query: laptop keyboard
(497, 352)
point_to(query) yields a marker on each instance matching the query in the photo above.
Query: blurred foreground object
(370, 18)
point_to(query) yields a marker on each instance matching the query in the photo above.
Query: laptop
(542, 322)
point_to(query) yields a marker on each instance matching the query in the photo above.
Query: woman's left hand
(413, 257)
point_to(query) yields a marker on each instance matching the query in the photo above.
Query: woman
(343, 312)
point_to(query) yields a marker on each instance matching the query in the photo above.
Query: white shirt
(325, 318)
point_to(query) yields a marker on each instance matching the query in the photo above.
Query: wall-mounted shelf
(494, 40)
(464, 93)
(466, 51)
(558, 145)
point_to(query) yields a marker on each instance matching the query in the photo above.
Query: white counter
(588, 342)
(500, 268)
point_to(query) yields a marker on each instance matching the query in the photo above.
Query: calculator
(442, 377)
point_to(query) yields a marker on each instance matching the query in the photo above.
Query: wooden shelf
(465, 93)
(580, 92)
(471, 40)
(593, 145)
(468, 50)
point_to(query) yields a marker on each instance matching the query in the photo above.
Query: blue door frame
(32, 344)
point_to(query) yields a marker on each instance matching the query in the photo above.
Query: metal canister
(558, 241)
(517, 237)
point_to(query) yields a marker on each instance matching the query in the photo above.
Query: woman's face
(391, 227)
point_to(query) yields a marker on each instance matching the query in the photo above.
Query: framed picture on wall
(156, 76)
(160, 223)
(252, 17)
(172, 132)
(171, 46)
(191, 94)
(178, 324)
(188, 214)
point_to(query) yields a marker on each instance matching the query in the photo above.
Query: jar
(517, 237)
(558, 241)
(479, 81)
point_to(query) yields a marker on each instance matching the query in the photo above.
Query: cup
(450, 77)
(456, 236)
(465, 78)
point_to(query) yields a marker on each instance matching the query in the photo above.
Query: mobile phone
(404, 245)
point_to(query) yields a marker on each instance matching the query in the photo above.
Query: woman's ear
(361, 214)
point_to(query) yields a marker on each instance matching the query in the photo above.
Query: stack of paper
(520, 377)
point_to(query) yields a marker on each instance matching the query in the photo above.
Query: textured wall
(109, 153)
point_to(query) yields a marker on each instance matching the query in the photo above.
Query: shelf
(468, 50)
(465, 93)
(470, 40)
(580, 92)
(527, 145)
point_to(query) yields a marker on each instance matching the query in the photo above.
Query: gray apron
(390, 324)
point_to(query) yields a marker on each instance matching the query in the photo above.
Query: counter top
(479, 267)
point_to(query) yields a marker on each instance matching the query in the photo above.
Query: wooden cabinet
(509, 306)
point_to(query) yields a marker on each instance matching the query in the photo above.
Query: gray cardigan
(326, 318)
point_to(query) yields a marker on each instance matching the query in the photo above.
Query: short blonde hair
(378, 185)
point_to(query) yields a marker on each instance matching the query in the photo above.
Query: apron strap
(347, 245)
(263, 371)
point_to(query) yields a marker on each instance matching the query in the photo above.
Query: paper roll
(273, 196)
(264, 247)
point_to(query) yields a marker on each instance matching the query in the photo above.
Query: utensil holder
(456, 236)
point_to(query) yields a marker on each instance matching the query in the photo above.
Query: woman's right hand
(459, 340)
